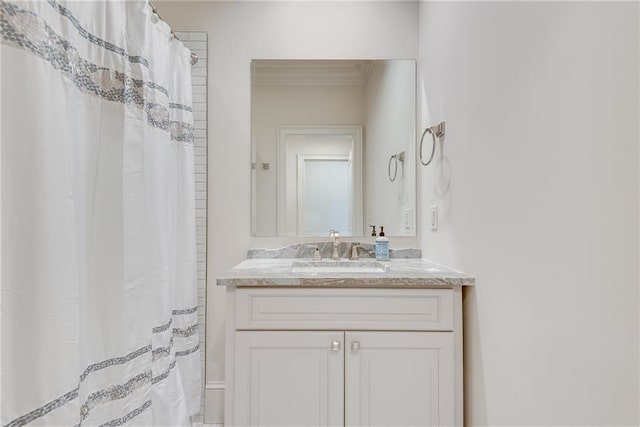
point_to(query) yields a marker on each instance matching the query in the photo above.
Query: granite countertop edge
(402, 273)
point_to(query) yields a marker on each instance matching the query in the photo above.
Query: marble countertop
(277, 272)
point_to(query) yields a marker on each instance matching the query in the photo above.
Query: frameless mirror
(333, 147)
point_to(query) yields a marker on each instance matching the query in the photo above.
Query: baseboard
(214, 402)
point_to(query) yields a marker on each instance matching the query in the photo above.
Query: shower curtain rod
(194, 57)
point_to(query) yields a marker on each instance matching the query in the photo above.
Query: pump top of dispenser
(373, 230)
(381, 231)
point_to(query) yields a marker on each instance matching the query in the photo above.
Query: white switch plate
(434, 217)
(406, 219)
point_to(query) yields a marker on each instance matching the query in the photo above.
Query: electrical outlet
(434, 217)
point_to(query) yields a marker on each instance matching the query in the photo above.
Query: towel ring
(397, 157)
(395, 170)
(435, 131)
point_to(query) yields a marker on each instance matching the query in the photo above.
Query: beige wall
(541, 105)
(238, 32)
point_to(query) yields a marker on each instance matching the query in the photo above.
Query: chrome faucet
(336, 243)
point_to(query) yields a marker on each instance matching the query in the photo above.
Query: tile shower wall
(196, 41)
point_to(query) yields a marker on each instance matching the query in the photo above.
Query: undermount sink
(342, 266)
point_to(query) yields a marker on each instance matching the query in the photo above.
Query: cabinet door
(288, 378)
(399, 379)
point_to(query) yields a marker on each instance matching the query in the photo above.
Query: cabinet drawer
(344, 309)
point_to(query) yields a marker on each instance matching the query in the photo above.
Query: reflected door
(320, 180)
(325, 188)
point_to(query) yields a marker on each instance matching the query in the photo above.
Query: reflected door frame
(301, 194)
(356, 134)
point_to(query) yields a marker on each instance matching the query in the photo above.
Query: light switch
(406, 219)
(434, 217)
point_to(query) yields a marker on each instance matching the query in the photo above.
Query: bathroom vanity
(346, 343)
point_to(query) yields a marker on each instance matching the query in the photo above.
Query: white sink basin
(342, 266)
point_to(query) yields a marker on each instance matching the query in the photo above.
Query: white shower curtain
(98, 293)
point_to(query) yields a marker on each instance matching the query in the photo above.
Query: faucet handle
(316, 252)
(354, 252)
(334, 233)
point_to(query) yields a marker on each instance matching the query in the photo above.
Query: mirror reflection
(333, 147)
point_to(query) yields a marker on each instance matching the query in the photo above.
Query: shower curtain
(98, 294)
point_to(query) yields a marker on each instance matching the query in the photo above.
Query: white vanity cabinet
(289, 378)
(399, 379)
(343, 356)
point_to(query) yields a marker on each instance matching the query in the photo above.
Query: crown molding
(310, 72)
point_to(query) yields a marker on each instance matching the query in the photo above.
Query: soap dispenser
(382, 246)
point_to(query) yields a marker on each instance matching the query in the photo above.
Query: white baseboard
(214, 402)
(214, 385)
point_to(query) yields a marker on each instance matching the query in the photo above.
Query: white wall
(239, 32)
(541, 106)
(390, 129)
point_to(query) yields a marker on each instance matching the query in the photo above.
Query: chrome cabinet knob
(335, 346)
(355, 345)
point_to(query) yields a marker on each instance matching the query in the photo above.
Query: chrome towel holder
(397, 157)
(436, 131)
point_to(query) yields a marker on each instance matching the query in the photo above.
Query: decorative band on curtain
(99, 299)
(25, 29)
